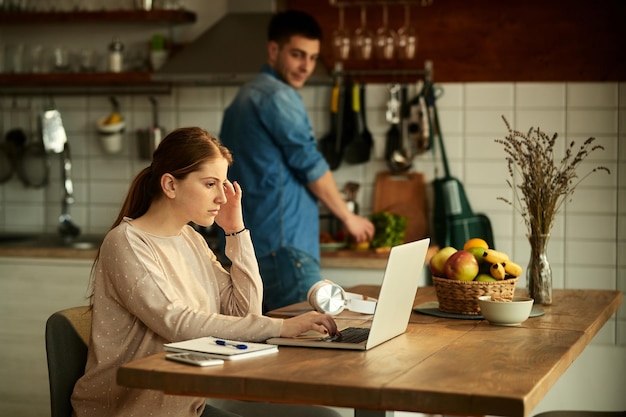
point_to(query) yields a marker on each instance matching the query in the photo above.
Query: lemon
(113, 118)
(475, 242)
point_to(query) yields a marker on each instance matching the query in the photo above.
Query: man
(277, 162)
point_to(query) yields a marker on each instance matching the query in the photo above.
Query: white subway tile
(451, 96)
(588, 95)
(200, 98)
(487, 121)
(109, 169)
(586, 200)
(592, 122)
(591, 277)
(548, 121)
(590, 227)
(482, 147)
(539, 95)
(489, 95)
(581, 252)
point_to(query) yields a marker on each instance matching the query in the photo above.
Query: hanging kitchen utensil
(7, 156)
(328, 144)
(67, 228)
(32, 164)
(395, 154)
(453, 219)
(150, 138)
(359, 148)
(417, 126)
(111, 129)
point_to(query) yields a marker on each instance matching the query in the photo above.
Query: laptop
(393, 309)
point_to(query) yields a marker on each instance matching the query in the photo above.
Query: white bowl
(505, 313)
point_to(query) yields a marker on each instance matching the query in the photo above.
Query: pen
(233, 344)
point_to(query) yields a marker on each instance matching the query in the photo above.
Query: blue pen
(233, 344)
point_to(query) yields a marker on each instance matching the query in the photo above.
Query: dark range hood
(230, 52)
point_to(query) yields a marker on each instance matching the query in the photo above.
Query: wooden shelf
(114, 16)
(95, 82)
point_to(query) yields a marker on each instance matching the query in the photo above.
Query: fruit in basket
(495, 257)
(485, 278)
(438, 261)
(475, 242)
(512, 269)
(461, 266)
(497, 271)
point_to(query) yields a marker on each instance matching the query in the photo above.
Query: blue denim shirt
(275, 154)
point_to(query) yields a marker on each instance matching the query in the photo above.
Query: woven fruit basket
(461, 297)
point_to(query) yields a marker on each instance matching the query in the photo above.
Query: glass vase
(539, 273)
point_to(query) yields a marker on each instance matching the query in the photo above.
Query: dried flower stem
(544, 184)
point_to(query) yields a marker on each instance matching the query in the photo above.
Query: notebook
(229, 350)
(394, 306)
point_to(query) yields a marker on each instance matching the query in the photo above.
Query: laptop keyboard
(350, 335)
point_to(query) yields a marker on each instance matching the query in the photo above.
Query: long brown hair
(180, 153)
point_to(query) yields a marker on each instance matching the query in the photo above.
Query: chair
(67, 337)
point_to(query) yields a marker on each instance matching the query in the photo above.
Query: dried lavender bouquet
(544, 183)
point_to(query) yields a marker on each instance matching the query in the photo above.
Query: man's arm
(325, 189)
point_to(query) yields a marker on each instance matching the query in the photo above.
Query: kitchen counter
(329, 259)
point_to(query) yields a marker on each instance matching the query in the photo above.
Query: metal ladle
(67, 228)
(55, 142)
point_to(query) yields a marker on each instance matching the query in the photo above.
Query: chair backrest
(67, 337)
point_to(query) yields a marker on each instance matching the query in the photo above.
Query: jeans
(287, 275)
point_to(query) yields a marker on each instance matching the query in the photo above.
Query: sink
(32, 240)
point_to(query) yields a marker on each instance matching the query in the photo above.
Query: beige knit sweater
(149, 290)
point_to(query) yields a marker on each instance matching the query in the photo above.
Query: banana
(495, 257)
(512, 269)
(497, 271)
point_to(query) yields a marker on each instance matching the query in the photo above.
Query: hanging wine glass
(363, 39)
(341, 39)
(407, 37)
(385, 40)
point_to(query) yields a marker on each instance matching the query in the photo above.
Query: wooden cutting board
(403, 194)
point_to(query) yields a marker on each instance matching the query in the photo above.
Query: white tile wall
(588, 239)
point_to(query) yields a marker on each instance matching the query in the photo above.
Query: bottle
(116, 55)
(158, 51)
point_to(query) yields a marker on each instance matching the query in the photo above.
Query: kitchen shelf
(384, 75)
(113, 16)
(93, 82)
(88, 82)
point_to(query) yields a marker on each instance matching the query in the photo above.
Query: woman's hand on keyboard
(323, 323)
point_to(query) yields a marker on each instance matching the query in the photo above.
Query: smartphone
(191, 358)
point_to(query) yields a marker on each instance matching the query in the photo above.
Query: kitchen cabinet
(36, 82)
(490, 40)
(30, 291)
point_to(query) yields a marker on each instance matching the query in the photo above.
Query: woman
(155, 280)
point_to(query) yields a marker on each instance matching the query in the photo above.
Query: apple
(462, 266)
(438, 261)
(485, 278)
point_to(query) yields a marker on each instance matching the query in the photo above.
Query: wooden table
(440, 365)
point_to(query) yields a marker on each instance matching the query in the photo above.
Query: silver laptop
(393, 309)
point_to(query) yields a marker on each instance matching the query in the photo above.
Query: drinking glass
(407, 38)
(363, 40)
(341, 39)
(385, 40)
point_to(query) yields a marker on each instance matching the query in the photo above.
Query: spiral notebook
(228, 350)
(394, 306)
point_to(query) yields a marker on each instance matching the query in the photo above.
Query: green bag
(454, 221)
